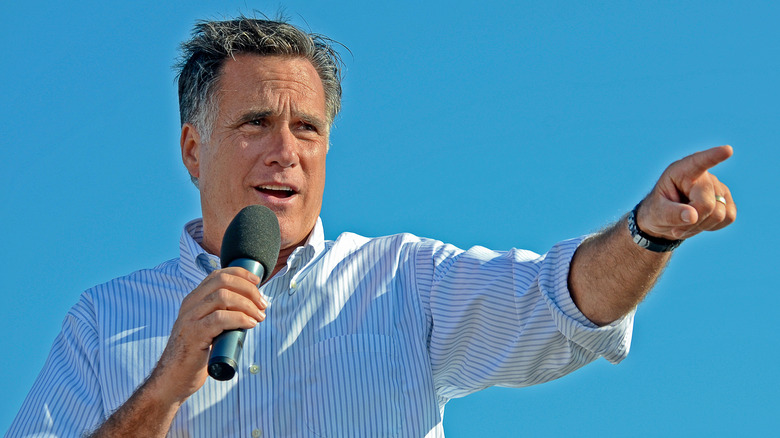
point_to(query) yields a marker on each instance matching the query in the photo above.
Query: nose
(282, 149)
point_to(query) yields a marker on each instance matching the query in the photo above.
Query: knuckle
(704, 209)
(709, 206)
(216, 318)
(212, 276)
(186, 301)
(221, 295)
(223, 277)
(221, 320)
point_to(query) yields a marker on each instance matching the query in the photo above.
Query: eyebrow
(253, 115)
(260, 114)
(314, 121)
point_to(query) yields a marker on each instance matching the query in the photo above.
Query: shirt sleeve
(65, 399)
(507, 318)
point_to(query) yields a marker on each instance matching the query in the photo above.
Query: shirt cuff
(611, 341)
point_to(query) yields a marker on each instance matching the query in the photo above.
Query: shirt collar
(302, 255)
(317, 238)
(196, 263)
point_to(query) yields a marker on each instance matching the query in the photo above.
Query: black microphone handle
(227, 346)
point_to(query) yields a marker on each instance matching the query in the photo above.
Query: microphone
(251, 241)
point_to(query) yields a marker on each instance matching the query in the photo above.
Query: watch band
(647, 241)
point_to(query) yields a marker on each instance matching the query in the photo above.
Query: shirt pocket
(353, 387)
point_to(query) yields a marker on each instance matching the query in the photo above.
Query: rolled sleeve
(611, 341)
(507, 319)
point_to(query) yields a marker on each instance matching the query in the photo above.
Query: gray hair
(212, 42)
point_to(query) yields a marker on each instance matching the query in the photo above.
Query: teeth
(274, 187)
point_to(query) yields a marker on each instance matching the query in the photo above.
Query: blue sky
(503, 124)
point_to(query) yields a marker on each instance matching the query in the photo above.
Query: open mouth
(276, 191)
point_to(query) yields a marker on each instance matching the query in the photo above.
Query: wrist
(145, 414)
(645, 240)
(163, 390)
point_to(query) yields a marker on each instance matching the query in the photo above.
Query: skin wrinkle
(285, 103)
(213, 43)
(278, 147)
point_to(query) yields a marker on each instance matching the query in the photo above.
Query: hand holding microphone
(251, 241)
(225, 299)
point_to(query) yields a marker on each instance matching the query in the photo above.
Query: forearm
(145, 414)
(610, 274)
(181, 370)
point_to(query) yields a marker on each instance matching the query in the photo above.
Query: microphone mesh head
(253, 234)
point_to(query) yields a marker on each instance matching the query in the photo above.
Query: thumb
(661, 217)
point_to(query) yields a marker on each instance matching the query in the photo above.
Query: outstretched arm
(610, 273)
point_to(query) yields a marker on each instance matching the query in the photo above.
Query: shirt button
(213, 263)
(257, 433)
(293, 285)
(254, 368)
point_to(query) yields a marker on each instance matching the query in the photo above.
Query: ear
(190, 149)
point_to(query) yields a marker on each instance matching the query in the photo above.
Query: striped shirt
(363, 337)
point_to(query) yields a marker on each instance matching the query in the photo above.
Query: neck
(281, 261)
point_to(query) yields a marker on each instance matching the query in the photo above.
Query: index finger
(698, 163)
(234, 278)
(242, 272)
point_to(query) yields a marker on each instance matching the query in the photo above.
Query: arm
(610, 274)
(145, 414)
(226, 299)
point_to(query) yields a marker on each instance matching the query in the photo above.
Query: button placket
(304, 261)
(260, 365)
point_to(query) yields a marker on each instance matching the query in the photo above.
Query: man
(353, 337)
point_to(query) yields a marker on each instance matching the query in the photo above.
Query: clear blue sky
(502, 124)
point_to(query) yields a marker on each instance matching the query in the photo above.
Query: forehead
(251, 78)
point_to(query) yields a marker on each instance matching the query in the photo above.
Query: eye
(305, 128)
(261, 121)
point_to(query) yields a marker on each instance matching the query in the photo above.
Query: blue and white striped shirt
(363, 337)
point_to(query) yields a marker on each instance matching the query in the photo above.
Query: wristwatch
(647, 241)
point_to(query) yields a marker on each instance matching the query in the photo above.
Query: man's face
(268, 147)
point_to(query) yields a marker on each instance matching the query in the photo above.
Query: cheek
(317, 175)
(314, 196)
(228, 163)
